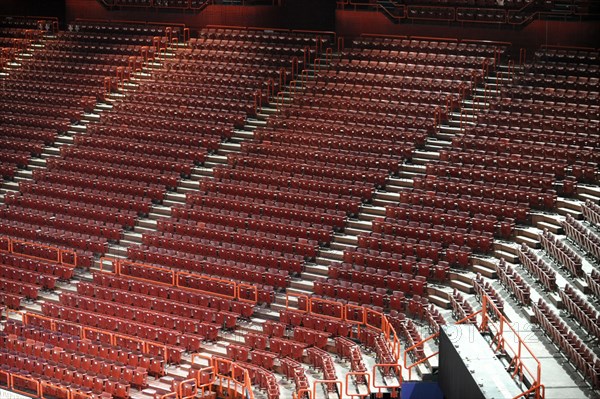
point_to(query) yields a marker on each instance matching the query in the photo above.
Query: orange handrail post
(251, 288)
(340, 44)
(522, 56)
(52, 388)
(367, 378)
(387, 367)
(328, 384)
(31, 384)
(303, 393)
(298, 298)
(294, 66)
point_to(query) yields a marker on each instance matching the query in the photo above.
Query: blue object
(421, 390)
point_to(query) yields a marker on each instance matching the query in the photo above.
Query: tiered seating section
(413, 83)
(82, 199)
(243, 224)
(476, 12)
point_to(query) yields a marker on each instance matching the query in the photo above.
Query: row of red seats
(26, 97)
(522, 196)
(440, 216)
(572, 346)
(212, 101)
(502, 146)
(377, 57)
(406, 122)
(454, 255)
(559, 81)
(85, 246)
(260, 36)
(593, 281)
(262, 224)
(537, 267)
(582, 236)
(490, 175)
(363, 132)
(591, 212)
(96, 367)
(293, 370)
(73, 68)
(96, 228)
(129, 291)
(47, 260)
(321, 360)
(151, 177)
(238, 253)
(20, 132)
(283, 50)
(175, 341)
(336, 327)
(407, 249)
(562, 253)
(62, 78)
(461, 308)
(467, 203)
(514, 282)
(23, 145)
(586, 314)
(10, 301)
(131, 358)
(97, 47)
(190, 55)
(239, 271)
(584, 97)
(92, 58)
(473, 157)
(188, 261)
(268, 194)
(408, 331)
(21, 369)
(100, 183)
(357, 84)
(385, 277)
(148, 162)
(485, 288)
(298, 167)
(28, 276)
(565, 54)
(280, 244)
(65, 112)
(377, 146)
(324, 187)
(92, 37)
(350, 351)
(220, 80)
(503, 118)
(201, 88)
(563, 68)
(137, 146)
(451, 46)
(236, 118)
(425, 232)
(120, 28)
(582, 112)
(88, 195)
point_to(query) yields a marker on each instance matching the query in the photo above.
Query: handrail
(487, 325)
(367, 384)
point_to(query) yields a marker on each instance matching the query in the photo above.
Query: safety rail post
(294, 66)
(328, 383)
(390, 387)
(340, 44)
(298, 297)
(499, 77)
(304, 393)
(511, 68)
(367, 378)
(306, 52)
(6, 375)
(251, 288)
(186, 35)
(115, 262)
(170, 395)
(181, 386)
(312, 302)
(329, 55)
(522, 56)
(282, 79)
(5, 244)
(418, 344)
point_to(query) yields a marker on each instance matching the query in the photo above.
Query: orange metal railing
(61, 256)
(174, 278)
(493, 321)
